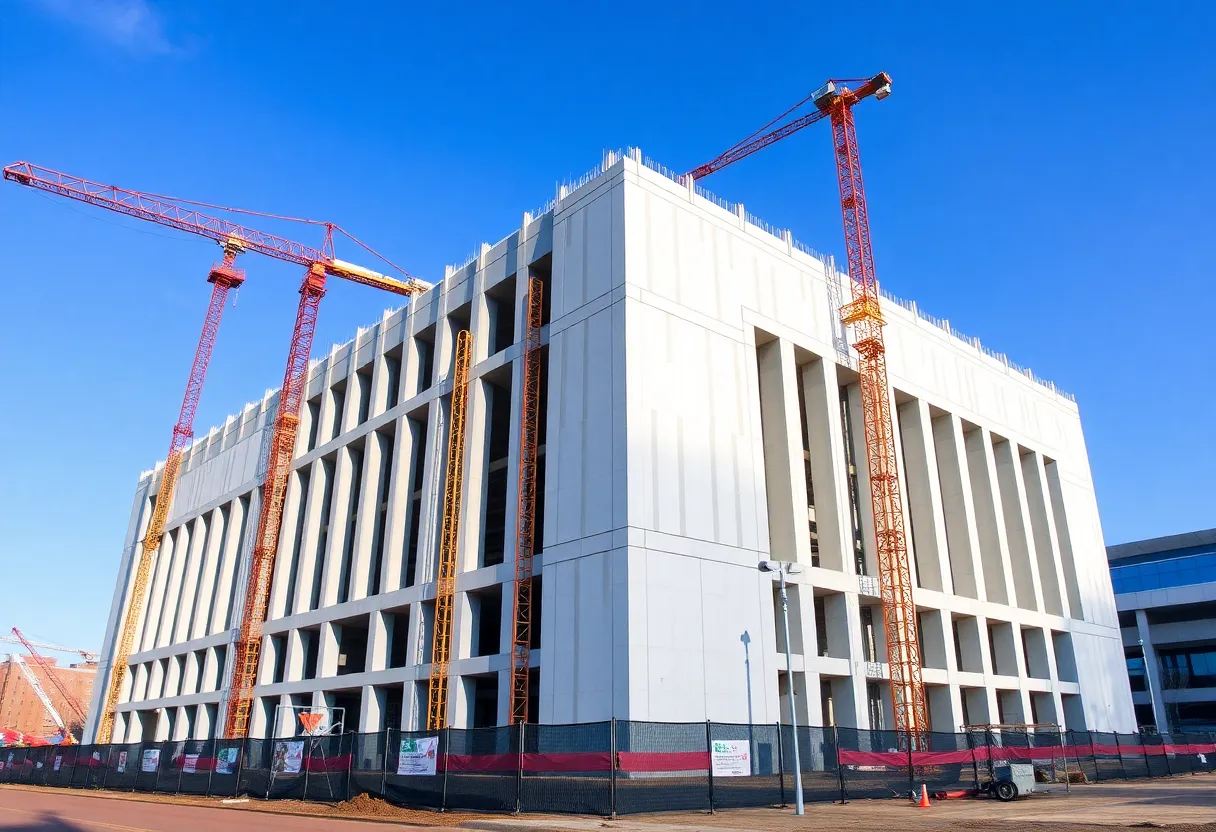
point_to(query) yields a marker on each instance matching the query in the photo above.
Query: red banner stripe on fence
(570, 762)
(662, 761)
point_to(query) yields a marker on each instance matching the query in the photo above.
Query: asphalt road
(31, 811)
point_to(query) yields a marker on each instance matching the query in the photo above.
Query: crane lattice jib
(165, 211)
(525, 536)
(72, 702)
(224, 276)
(864, 315)
(449, 540)
(247, 649)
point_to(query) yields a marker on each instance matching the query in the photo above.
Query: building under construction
(697, 411)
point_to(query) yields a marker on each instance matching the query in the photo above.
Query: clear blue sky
(1042, 176)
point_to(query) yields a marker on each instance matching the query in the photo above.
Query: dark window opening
(310, 641)
(542, 429)
(293, 563)
(352, 515)
(501, 300)
(487, 613)
(352, 647)
(424, 343)
(485, 701)
(846, 421)
(338, 392)
(392, 368)
(278, 644)
(418, 463)
(497, 476)
(386, 440)
(363, 380)
(327, 470)
(314, 420)
(806, 464)
(398, 638)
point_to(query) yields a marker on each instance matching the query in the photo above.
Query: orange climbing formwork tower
(525, 530)
(449, 541)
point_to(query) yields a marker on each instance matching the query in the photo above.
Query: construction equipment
(525, 529)
(449, 541)
(835, 101)
(79, 711)
(177, 213)
(18, 660)
(88, 655)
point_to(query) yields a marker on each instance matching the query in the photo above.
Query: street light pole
(780, 569)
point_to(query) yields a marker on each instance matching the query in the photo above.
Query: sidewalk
(1185, 802)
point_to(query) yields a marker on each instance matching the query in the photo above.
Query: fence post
(519, 769)
(709, 749)
(446, 737)
(612, 770)
(839, 768)
(350, 759)
(975, 765)
(105, 771)
(1064, 753)
(240, 766)
(1119, 750)
(211, 764)
(1148, 767)
(384, 768)
(911, 770)
(780, 765)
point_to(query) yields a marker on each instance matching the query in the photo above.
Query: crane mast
(863, 313)
(274, 489)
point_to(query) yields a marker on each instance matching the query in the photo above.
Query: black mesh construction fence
(606, 768)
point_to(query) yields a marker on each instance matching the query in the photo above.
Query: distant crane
(40, 692)
(88, 655)
(183, 215)
(835, 101)
(79, 711)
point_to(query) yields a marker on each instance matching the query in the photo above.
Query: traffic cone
(924, 797)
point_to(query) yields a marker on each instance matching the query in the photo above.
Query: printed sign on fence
(288, 757)
(731, 758)
(417, 756)
(150, 760)
(122, 762)
(97, 756)
(190, 764)
(225, 760)
(58, 761)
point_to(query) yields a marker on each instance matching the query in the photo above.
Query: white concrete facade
(696, 377)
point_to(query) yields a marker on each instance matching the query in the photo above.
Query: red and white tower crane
(835, 101)
(183, 214)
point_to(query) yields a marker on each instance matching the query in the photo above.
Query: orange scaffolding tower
(449, 542)
(525, 530)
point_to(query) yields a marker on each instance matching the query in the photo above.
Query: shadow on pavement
(47, 823)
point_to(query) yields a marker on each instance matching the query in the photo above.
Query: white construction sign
(418, 756)
(731, 758)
